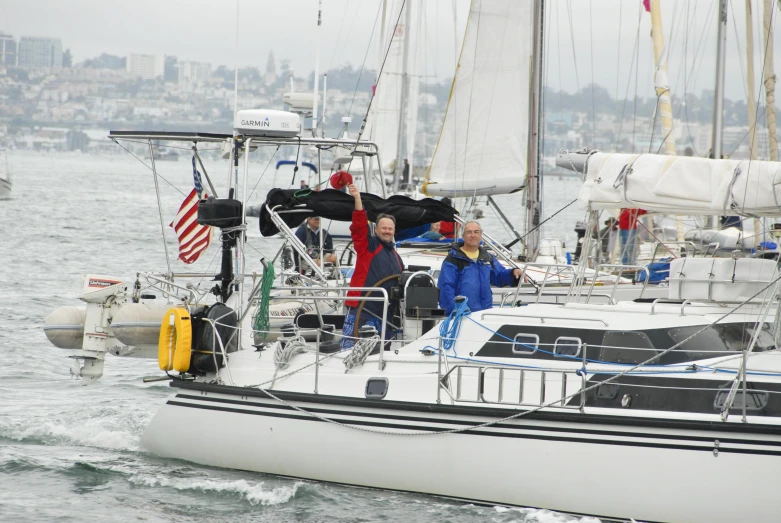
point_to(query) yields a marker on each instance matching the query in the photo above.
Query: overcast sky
(601, 32)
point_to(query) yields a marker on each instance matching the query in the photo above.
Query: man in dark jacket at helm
(377, 261)
(469, 270)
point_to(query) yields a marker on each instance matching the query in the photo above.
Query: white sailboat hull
(600, 465)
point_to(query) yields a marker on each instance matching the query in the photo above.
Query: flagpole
(159, 205)
(241, 235)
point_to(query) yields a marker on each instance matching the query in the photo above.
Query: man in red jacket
(376, 265)
(627, 225)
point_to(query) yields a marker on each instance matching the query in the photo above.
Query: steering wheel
(348, 249)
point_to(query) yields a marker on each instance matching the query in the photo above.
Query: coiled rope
(448, 329)
(261, 323)
(360, 351)
(285, 351)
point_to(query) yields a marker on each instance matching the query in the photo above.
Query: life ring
(174, 346)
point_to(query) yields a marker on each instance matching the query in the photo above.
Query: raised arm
(355, 193)
(359, 228)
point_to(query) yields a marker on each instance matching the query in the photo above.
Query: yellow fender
(175, 344)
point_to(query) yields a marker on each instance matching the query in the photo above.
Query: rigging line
(740, 52)
(558, 60)
(696, 64)
(618, 68)
(147, 166)
(637, 69)
(633, 64)
(365, 56)
(544, 221)
(685, 80)
(379, 74)
(759, 97)
(469, 108)
(339, 34)
(591, 51)
(574, 55)
(264, 172)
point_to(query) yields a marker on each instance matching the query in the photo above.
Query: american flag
(193, 238)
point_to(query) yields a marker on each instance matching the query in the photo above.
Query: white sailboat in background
(490, 141)
(5, 182)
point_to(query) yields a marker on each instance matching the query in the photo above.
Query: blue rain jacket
(462, 276)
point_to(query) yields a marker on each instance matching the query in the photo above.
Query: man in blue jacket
(469, 270)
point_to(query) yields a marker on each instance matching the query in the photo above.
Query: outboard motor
(225, 213)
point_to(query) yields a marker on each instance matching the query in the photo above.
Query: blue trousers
(366, 319)
(628, 238)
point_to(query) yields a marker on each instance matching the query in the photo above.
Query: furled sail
(296, 205)
(682, 185)
(483, 145)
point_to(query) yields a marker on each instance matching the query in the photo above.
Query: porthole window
(565, 346)
(757, 400)
(376, 388)
(525, 343)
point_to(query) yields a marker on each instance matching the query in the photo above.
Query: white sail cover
(682, 185)
(483, 144)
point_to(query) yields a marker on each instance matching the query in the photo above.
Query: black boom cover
(336, 205)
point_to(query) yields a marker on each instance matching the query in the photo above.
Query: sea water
(70, 452)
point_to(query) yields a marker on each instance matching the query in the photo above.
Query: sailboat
(5, 182)
(520, 406)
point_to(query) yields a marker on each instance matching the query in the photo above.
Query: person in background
(405, 173)
(433, 233)
(309, 234)
(580, 232)
(447, 229)
(469, 270)
(627, 228)
(607, 237)
(304, 184)
(376, 265)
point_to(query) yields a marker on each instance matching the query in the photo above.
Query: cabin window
(376, 388)
(720, 339)
(565, 346)
(757, 400)
(525, 343)
(626, 347)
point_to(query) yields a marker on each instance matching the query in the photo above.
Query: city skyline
(205, 31)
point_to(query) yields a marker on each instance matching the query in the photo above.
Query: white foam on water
(114, 432)
(529, 515)
(255, 493)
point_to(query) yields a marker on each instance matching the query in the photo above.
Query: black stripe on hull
(754, 429)
(393, 420)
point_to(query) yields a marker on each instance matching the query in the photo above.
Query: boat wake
(256, 493)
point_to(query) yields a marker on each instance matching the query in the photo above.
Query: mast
(718, 99)
(402, 100)
(752, 104)
(533, 174)
(661, 82)
(770, 80)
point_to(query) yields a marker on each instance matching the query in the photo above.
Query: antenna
(236, 72)
(325, 83)
(317, 67)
